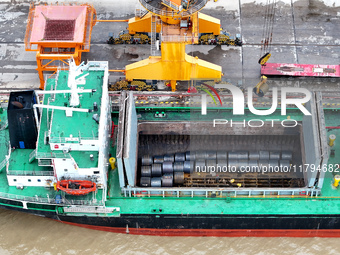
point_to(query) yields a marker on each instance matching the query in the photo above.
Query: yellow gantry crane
(173, 24)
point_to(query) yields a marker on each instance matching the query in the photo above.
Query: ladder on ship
(4, 163)
(32, 156)
(153, 35)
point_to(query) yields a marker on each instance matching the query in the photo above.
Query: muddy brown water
(22, 233)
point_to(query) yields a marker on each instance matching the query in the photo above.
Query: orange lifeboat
(76, 187)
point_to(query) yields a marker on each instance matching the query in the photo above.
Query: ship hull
(203, 225)
(214, 225)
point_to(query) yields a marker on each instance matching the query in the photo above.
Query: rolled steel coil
(167, 180)
(146, 171)
(178, 166)
(284, 165)
(200, 166)
(169, 158)
(168, 167)
(254, 155)
(178, 178)
(264, 155)
(221, 155)
(211, 165)
(179, 157)
(188, 166)
(200, 155)
(238, 155)
(158, 159)
(156, 182)
(211, 155)
(288, 155)
(253, 165)
(190, 155)
(147, 160)
(145, 181)
(156, 170)
(275, 155)
(263, 164)
(222, 165)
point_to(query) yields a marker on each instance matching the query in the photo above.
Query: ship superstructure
(72, 123)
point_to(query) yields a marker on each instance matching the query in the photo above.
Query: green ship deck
(175, 200)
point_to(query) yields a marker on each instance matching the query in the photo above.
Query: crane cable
(267, 33)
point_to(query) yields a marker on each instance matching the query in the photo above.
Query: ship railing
(30, 173)
(4, 126)
(42, 155)
(32, 155)
(220, 192)
(3, 163)
(179, 38)
(48, 200)
(73, 139)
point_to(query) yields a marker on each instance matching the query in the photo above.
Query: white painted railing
(48, 200)
(4, 126)
(30, 173)
(220, 192)
(3, 163)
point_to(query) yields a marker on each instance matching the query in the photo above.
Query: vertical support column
(40, 70)
(77, 53)
(173, 85)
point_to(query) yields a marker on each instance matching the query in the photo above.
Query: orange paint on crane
(58, 33)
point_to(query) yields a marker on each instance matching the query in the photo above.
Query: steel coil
(145, 181)
(190, 155)
(168, 167)
(221, 155)
(178, 166)
(147, 160)
(156, 182)
(211, 165)
(254, 155)
(158, 159)
(156, 170)
(253, 165)
(188, 166)
(179, 157)
(264, 155)
(200, 166)
(273, 165)
(178, 178)
(263, 164)
(284, 165)
(167, 181)
(146, 171)
(200, 155)
(243, 164)
(222, 165)
(288, 155)
(211, 155)
(238, 155)
(233, 165)
(169, 158)
(275, 155)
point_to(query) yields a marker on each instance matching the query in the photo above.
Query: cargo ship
(168, 163)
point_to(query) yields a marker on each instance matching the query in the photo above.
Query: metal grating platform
(59, 30)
